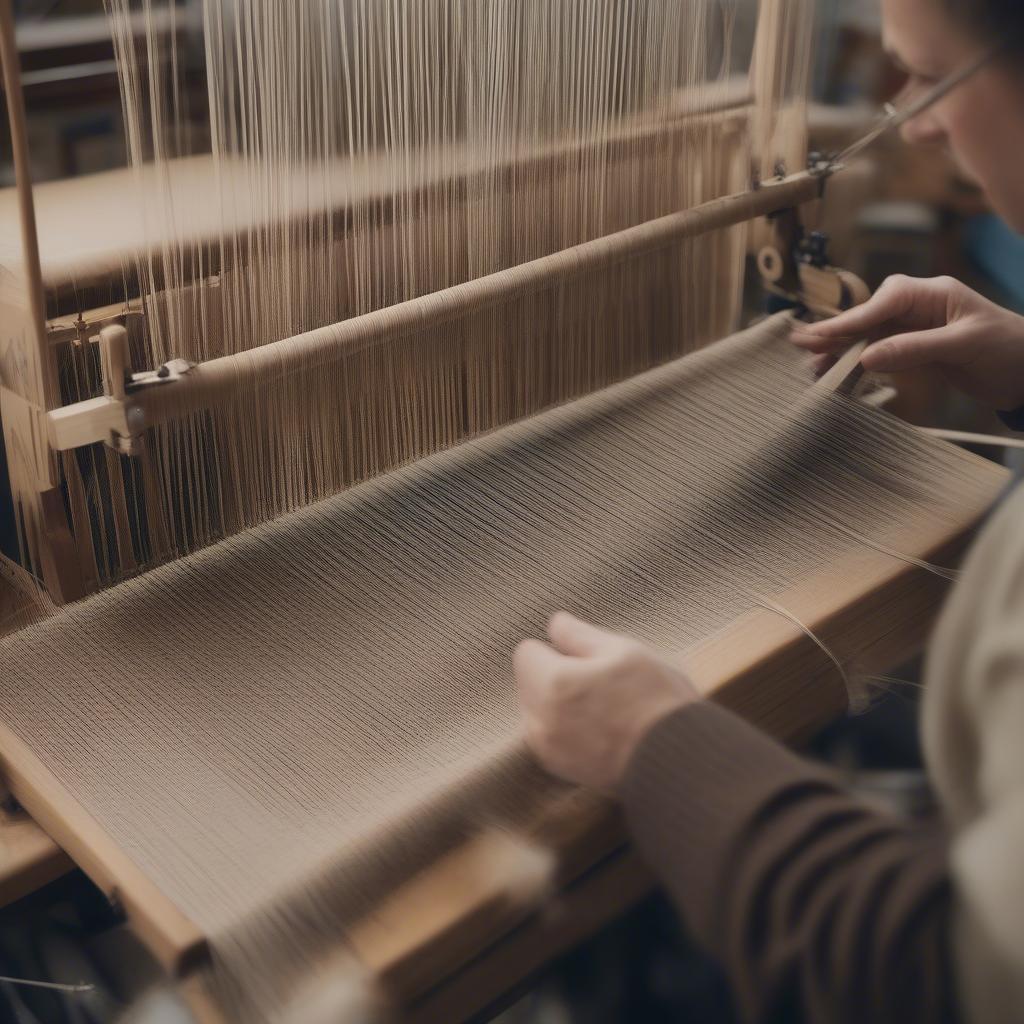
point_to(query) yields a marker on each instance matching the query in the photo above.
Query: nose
(924, 129)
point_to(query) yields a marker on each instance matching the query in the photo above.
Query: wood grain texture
(170, 937)
(29, 858)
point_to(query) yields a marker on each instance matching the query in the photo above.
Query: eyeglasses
(893, 116)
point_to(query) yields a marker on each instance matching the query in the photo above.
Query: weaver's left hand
(590, 696)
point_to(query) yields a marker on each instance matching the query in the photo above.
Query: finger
(821, 344)
(535, 663)
(890, 307)
(911, 351)
(577, 638)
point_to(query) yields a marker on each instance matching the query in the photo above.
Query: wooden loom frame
(424, 943)
(37, 427)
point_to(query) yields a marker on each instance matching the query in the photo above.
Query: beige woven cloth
(280, 727)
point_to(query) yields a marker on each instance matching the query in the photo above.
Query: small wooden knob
(114, 357)
(770, 264)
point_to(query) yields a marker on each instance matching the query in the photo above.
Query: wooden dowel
(209, 382)
(967, 437)
(114, 353)
(847, 371)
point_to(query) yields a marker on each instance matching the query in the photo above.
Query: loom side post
(28, 379)
(778, 125)
(43, 382)
(780, 129)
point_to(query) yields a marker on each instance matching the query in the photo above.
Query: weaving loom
(310, 420)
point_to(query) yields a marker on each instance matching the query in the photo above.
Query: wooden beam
(29, 858)
(174, 940)
(91, 230)
(43, 386)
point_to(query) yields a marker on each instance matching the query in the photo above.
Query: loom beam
(115, 420)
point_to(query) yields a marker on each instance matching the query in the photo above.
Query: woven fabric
(279, 728)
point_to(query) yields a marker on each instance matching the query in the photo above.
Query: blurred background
(898, 210)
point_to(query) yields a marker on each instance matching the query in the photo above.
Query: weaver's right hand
(939, 322)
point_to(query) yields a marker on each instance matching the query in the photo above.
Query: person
(817, 907)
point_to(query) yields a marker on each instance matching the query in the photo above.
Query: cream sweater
(974, 743)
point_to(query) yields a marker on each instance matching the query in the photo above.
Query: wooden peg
(114, 354)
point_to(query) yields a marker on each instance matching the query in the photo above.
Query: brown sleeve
(819, 908)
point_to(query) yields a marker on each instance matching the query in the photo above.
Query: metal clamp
(166, 373)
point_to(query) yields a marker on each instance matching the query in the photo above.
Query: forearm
(816, 906)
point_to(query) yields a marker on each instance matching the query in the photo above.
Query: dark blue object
(999, 253)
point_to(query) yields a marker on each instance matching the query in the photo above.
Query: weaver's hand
(918, 322)
(589, 696)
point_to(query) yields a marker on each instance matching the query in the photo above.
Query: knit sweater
(823, 909)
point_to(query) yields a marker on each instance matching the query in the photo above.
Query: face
(982, 120)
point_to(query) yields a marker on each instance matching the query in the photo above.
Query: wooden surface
(173, 940)
(498, 970)
(29, 858)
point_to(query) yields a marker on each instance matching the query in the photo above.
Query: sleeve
(819, 908)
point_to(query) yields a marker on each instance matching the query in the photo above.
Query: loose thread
(77, 988)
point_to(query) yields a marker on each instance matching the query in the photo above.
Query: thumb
(535, 665)
(909, 351)
(575, 637)
(835, 334)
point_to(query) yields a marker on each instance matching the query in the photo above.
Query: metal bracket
(166, 373)
(117, 418)
(795, 269)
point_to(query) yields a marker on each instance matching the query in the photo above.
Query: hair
(996, 21)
